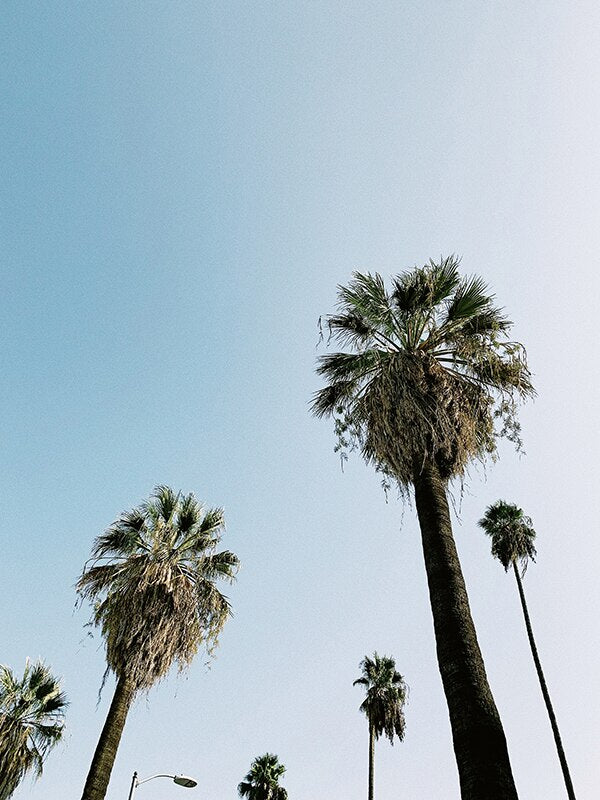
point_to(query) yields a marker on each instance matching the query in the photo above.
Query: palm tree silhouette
(262, 780)
(512, 536)
(383, 705)
(428, 370)
(153, 581)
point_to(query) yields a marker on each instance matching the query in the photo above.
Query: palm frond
(165, 501)
(190, 511)
(213, 522)
(424, 288)
(350, 328)
(470, 299)
(330, 400)
(342, 366)
(488, 321)
(95, 580)
(221, 565)
(366, 297)
(122, 538)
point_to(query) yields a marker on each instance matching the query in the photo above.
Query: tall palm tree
(152, 579)
(31, 722)
(427, 372)
(512, 537)
(383, 705)
(262, 780)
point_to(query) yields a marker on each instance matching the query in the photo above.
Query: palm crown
(262, 780)
(152, 578)
(511, 532)
(386, 695)
(429, 369)
(31, 722)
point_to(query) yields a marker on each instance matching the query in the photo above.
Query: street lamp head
(185, 780)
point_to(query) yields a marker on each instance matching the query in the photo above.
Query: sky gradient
(184, 186)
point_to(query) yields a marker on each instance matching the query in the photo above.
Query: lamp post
(180, 780)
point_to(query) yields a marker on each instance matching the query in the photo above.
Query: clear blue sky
(184, 184)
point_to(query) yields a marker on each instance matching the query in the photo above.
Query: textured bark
(371, 762)
(479, 742)
(561, 753)
(106, 749)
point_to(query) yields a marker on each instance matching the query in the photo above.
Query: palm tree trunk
(479, 742)
(106, 750)
(561, 753)
(371, 761)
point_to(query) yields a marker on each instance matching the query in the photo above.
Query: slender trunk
(561, 753)
(106, 750)
(371, 761)
(479, 742)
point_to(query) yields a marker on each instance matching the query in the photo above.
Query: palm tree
(429, 371)
(262, 780)
(383, 705)
(512, 536)
(31, 722)
(152, 579)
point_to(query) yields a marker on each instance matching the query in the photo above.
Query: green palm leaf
(423, 289)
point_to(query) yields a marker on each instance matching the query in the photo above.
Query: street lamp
(180, 780)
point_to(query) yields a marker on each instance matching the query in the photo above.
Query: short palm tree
(427, 372)
(31, 722)
(383, 705)
(512, 537)
(262, 780)
(153, 580)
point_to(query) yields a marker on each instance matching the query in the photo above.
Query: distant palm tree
(153, 582)
(426, 373)
(31, 722)
(262, 780)
(512, 536)
(383, 705)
